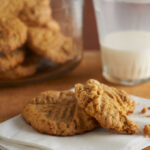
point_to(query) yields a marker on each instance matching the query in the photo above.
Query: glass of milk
(124, 36)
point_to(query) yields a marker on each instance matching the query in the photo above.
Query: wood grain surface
(13, 99)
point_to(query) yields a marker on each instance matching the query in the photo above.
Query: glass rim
(129, 1)
(66, 6)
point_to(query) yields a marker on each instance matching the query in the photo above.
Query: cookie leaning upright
(105, 107)
(13, 33)
(124, 100)
(57, 113)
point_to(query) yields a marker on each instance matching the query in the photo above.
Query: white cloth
(15, 134)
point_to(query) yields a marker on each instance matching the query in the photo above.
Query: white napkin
(15, 134)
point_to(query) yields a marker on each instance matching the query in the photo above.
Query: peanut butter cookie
(9, 61)
(124, 100)
(13, 33)
(27, 68)
(50, 44)
(57, 113)
(35, 12)
(11, 6)
(104, 106)
(53, 25)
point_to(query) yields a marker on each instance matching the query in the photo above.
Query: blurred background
(90, 31)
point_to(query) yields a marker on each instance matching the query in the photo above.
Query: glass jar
(124, 36)
(53, 47)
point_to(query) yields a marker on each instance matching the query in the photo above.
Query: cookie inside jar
(39, 39)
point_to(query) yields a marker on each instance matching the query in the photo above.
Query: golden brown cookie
(50, 44)
(27, 68)
(35, 12)
(57, 113)
(9, 61)
(11, 6)
(13, 33)
(124, 100)
(104, 107)
(53, 25)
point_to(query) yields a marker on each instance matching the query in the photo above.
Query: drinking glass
(124, 37)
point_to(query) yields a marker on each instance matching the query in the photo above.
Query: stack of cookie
(92, 105)
(28, 33)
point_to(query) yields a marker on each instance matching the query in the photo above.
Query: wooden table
(13, 99)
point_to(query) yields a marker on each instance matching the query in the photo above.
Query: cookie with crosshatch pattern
(58, 113)
(106, 105)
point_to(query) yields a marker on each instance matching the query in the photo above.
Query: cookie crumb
(144, 110)
(148, 116)
(146, 130)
